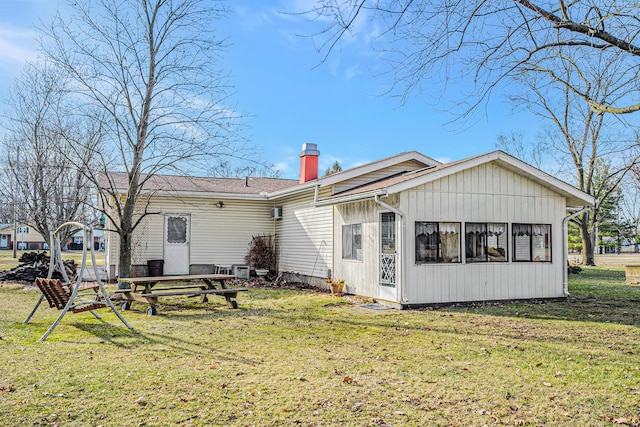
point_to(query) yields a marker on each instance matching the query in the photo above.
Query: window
(22, 230)
(176, 229)
(531, 242)
(22, 246)
(352, 241)
(486, 242)
(437, 242)
(388, 232)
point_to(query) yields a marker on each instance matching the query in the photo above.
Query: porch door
(176, 243)
(387, 286)
(3, 241)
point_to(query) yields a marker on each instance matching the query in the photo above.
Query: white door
(176, 243)
(387, 285)
(3, 241)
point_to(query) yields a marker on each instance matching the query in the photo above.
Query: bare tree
(227, 169)
(630, 205)
(592, 150)
(515, 144)
(488, 42)
(41, 137)
(150, 68)
(335, 168)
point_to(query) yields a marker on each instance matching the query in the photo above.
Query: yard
(7, 260)
(294, 357)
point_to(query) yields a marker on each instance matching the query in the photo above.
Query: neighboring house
(405, 230)
(27, 237)
(76, 242)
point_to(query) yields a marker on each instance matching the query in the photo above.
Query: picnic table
(148, 289)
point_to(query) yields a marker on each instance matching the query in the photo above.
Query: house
(76, 242)
(27, 237)
(406, 230)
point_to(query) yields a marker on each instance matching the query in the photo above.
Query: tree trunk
(126, 236)
(124, 260)
(587, 241)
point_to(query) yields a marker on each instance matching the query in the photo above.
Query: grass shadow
(596, 295)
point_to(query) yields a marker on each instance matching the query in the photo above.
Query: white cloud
(295, 9)
(357, 163)
(284, 168)
(290, 162)
(253, 20)
(17, 46)
(352, 71)
(443, 159)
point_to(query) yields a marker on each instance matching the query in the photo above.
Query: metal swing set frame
(66, 295)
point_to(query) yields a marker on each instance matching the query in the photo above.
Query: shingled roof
(189, 184)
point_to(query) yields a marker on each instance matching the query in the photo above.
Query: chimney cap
(309, 149)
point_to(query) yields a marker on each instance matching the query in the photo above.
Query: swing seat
(58, 296)
(67, 296)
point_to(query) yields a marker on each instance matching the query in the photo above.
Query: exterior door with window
(388, 259)
(176, 244)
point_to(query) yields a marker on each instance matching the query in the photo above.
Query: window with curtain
(531, 242)
(437, 242)
(485, 242)
(352, 242)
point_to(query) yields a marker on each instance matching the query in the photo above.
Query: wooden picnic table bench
(147, 290)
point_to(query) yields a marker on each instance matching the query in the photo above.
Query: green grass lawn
(305, 358)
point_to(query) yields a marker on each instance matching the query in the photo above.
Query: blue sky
(291, 98)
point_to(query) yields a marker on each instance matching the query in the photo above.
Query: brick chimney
(309, 162)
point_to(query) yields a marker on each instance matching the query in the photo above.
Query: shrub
(262, 253)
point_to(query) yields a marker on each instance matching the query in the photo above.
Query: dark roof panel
(240, 186)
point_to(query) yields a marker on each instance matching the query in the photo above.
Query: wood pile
(32, 265)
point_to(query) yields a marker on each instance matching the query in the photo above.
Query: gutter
(403, 252)
(295, 189)
(205, 194)
(565, 251)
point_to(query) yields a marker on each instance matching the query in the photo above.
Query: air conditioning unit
(276, 213)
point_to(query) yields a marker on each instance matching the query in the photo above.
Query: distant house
(26, 237)
(76, 243)
(406, 230)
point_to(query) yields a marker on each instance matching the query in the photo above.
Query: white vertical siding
(486, 193)
(362, 276)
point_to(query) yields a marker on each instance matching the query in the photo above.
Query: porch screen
(486, 242)
(532, 242)
(437, 242)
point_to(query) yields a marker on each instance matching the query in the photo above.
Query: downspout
(565, 251)
(403, 235)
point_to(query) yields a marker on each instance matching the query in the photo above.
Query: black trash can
(155, 267)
